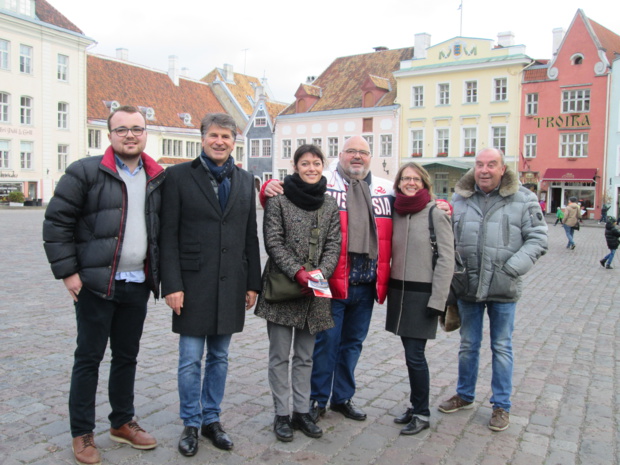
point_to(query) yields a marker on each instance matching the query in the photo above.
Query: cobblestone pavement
(566, 382)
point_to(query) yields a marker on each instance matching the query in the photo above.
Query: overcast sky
(287, 40)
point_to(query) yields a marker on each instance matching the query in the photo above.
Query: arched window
(369, 100)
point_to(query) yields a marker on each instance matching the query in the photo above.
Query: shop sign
(566, 121)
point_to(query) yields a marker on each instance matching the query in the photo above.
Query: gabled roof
(242, 87)
(609, 40)
(129, 84)
(275, 108)
(48, 14)
(341, 82)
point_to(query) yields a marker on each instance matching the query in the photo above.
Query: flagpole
(461, 8)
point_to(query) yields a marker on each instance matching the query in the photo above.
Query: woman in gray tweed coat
(288, 222)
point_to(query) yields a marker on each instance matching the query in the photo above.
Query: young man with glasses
(101, 238)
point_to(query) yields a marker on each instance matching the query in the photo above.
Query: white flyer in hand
(320, 287)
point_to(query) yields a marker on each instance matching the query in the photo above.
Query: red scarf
(406, 204)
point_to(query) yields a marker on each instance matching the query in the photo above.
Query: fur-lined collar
(509, 184)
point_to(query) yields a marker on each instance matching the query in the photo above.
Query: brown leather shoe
(131, 433)
(85, 451)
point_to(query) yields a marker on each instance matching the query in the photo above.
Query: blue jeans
(200, 404)
(501, 325)
(609, 257)
(569, 234)
(338, 349)
(121, 320)
(419, 377)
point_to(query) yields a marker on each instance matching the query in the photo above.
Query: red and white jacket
(382, 196)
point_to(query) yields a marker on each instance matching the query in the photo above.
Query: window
(443, 141)
(386, 145)
(500, 89)
(63, 156)
(370, 140)
(282, 174)
(62, 70)
(417, 96)
(417, 142)
(531, 104)
(440, 186)
(25, 110)
(470, 137)
(574, 144)
(25, 155)
(318, 142)
(471, 91)
(192, 149)
(63, 115)
(300, 142)
(286, 148)
(260, 122)
(172, 148)
(260, 148)
(94, 139)
(4, 107)
(5, 154)
(25, 59)
(238, 153)
(443, 91)
(5, 63)
(499, 138)
(332, 147)
(530, 145)
(576, 101)
(367, 125)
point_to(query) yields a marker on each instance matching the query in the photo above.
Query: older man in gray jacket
(500, 232)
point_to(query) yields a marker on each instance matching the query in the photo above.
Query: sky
(286, 41)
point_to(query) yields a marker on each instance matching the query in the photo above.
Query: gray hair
(501, 153)
(218, 119)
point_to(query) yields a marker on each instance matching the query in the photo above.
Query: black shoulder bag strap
(431, 230)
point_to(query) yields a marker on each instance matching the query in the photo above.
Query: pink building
(564, 117)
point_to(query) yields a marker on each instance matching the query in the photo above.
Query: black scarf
(222, 175)
(306, 196)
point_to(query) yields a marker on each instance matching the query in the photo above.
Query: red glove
(302, 277)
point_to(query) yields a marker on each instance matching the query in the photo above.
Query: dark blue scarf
(222, 175)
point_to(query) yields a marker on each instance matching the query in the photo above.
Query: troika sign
(566, 121)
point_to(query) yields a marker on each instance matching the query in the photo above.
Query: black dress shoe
(415, 426)
(304, 423)
(188, 444)
(315, 411)
(217, 435)
(282, 427)
(349, 410)
(405, 417)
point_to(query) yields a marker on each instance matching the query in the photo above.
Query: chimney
(421, 42)
(558, 35)
(506, 39)
(185, 72)
(310, 79)
(173, 69)
(228, 73)
(122, 54)
(259, 91)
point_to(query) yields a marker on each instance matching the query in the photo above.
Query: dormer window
(576, 59)
(186, 118)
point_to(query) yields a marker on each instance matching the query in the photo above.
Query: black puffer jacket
(612, 236)
(85, 222)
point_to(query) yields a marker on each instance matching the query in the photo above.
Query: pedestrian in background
(303, 216)
(559, 215)
(612, 237)
(572, 216)
(419, 283)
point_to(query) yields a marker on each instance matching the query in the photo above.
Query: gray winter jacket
(501, 245)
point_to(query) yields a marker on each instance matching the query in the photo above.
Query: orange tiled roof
(129, 84)
(48, 14)
(243, 88)
(536, 74)
(172, 160)
(311, 90)
(381, 83)
(609, 40)
(274, 108)
(341, 82)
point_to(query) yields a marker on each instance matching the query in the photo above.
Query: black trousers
(419, 376)
(120, 320)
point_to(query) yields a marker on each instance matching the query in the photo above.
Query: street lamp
(384, 164)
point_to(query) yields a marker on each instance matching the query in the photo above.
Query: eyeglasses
(123, 131)
(352, 152)
(407, 179)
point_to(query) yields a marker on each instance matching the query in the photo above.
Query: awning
(570, 175)
(464, 166)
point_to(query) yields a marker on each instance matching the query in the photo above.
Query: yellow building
(458, 97)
